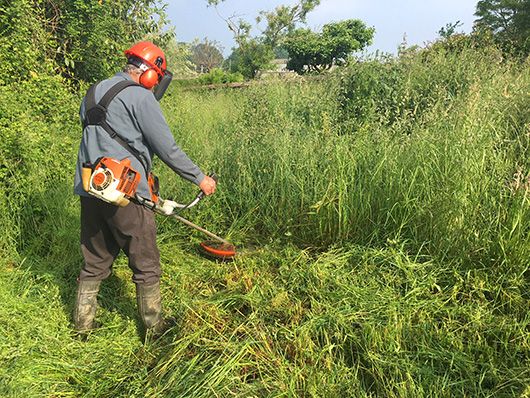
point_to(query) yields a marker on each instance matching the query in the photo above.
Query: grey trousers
(106, 229)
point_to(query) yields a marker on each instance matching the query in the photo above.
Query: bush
(218, 76)
(39, 126)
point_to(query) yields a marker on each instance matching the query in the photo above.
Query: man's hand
(208, 185)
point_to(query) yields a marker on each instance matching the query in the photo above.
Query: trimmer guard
(218, 250)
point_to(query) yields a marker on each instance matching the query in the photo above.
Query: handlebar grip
(214, 177)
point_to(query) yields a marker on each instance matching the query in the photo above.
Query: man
(137, 119)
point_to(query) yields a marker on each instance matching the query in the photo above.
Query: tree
(232, 61)
(281, 53)
(508, 19)
(207, 56)
(94, 34)
(450, 29)
(257, 52)
(80, 40)
(314, 52)
(177, 58)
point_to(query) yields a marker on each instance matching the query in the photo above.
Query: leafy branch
(257, 52)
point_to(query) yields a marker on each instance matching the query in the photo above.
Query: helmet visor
(163, 84)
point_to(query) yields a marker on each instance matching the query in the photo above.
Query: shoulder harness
(96, 113)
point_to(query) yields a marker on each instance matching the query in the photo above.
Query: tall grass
(436, 175)
(390, 206)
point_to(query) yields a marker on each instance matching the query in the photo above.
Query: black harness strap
(96, 114)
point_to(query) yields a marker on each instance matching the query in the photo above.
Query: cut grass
(284, 322)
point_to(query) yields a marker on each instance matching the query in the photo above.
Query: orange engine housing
(113, 179)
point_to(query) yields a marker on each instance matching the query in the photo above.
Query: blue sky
(418, 20)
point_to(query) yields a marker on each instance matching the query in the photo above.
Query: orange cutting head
(218, 250)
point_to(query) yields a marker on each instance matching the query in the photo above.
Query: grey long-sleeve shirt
(135, 115)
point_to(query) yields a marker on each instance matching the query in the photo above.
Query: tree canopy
(207, 55)
(508, 19)
(81, 39)
(314, 52)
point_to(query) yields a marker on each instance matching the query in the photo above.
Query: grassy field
(389, 206)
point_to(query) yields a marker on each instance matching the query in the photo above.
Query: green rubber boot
(150, 309)
(86, 305)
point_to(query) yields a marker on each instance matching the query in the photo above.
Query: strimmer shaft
(200, 229)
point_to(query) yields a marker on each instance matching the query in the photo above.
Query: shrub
(218, 76)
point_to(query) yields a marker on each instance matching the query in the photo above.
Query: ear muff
(149, 78)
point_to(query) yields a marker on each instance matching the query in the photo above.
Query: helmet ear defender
(149, 78)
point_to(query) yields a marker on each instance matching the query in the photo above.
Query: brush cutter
(218, 248)
(115, 181)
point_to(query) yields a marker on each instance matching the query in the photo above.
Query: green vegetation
(207, 55)
(81, 40)
(316, 52)
(216, 76)
(510, 20)
(389, 203)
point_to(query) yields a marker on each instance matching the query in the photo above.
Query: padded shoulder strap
(114, 90)
(96, 113)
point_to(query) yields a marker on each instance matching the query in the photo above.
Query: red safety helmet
(151, 56)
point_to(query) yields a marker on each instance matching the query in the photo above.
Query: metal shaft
(200, 229)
